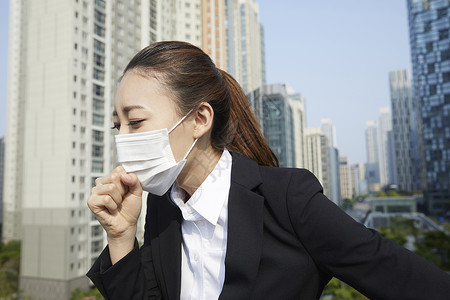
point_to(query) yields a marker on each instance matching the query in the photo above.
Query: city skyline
(387, 46)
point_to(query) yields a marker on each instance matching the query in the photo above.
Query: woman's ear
(203, 119)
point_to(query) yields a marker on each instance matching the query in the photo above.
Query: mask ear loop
(189, 151)
(178, 123)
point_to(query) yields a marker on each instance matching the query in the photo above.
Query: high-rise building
(384, 151)
(359, 184)
(2, 161)
(12, 193)
(176, 19)
(245, 60)
(430, 56)
(372, 166)
(317, 157)
(297, 103)
(214, 31)
(78, 50)
(346, 178)
(404, 129)
(278, 123)
(330, 132)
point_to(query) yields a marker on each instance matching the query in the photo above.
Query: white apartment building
(297, 104)
(317, 157)
(329, 131)
(346, 178)
(384, 126)
(372, 149)
(244, 45)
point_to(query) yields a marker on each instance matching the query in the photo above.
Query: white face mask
(149, 156)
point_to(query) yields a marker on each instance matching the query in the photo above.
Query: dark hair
(191, 77)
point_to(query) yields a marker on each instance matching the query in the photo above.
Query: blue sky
(336, 53)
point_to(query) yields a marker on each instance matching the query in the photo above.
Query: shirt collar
(209, 198)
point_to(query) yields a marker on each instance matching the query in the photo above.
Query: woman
(222, 220)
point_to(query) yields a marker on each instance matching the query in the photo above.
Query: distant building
(317, 157)
(385, 154)
(346, 178)
(278, 123)
(377, 219)
(394, 204)
(430, 56)
(330, 132)
(372, 147)
(404, 127)
(297, 103)
(359, 183)
(245, 59)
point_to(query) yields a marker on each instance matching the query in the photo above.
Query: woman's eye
(116, 126)
(133, 123)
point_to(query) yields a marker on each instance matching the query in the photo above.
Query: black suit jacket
(285, 241)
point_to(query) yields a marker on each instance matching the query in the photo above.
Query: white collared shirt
(204, 231)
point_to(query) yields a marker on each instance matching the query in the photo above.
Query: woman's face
(141, 104)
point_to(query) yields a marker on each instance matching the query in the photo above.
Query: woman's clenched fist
(116, 201)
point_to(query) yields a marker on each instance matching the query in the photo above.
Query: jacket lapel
(168, 247)
(245, 230)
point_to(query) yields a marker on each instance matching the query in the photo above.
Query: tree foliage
(92, 294)
(9, 269)
(339, 290)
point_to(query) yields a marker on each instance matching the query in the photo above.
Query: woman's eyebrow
(129, 108)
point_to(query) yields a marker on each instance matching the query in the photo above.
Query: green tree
(9, 269)
(91, 294)
(434, 246)
(397, 236)
(339, 290)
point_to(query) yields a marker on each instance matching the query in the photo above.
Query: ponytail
(189, 74)
(245, 134)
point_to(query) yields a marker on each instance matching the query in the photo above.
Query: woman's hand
(116, 201)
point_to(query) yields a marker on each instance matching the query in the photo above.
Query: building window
(445, 55)
(98, 90)
(97, 136)
(99, 74)
(433, 89)
(100, 17)
(97, 119)
(443, 34)
(98, 105)
(446, 77)
(97, 166)
(97, 151)
(98, 30)
(99, 46)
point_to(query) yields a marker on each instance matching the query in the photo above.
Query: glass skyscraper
(429, 26)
